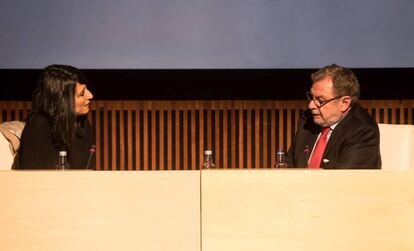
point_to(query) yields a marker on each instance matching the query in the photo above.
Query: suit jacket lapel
(310, 142)
(338, 131)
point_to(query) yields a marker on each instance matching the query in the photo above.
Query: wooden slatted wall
(172, 135)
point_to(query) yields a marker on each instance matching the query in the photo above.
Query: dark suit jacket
(353, 144)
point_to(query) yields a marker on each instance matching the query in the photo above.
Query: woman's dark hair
(54, 97)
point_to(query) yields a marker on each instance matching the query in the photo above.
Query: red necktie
(315, 160)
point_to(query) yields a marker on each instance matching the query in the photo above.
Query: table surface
(84, 210)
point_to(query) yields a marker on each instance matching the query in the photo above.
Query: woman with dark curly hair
(58, 121)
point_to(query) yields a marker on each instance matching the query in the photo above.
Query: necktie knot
(315, 160)
(325, 131)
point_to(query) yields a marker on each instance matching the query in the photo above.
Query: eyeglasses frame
(310, 98)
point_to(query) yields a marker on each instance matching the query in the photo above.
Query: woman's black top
(37, 151)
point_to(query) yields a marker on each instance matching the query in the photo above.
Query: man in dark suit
(335, 132)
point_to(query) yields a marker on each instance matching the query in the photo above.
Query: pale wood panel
(86, 210)
(307, 210)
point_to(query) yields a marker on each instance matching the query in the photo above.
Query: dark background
(261, 84)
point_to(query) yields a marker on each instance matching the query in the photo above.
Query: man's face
(327, 109)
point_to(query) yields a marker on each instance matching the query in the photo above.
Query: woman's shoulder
(37, 120)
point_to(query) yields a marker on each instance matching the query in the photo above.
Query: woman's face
(82, 99)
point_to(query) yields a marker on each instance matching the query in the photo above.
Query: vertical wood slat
(386, 119)
(9, 114)
(98, 149)
(249, 138)
(137, 140)
(129, 139)
(162, 141)
(209, 129)
(121, 141)
(218, 151)
(281, 127)
(154, 143)
(113, 141)
(297, 117)
(169, 140)
(225, 140)
(273, 143)
(106, 139)
(193, 140)
(394, 114)
(115, 123)
(241, 140)
(257, 150)
(177, 141)
(265, 139)
(289, 126)
(378, 114)
(185, 141)
(201, 138)
(145, 139)
(233, 138)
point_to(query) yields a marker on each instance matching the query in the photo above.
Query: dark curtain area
(212, 84)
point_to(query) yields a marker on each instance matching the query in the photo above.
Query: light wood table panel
(307, 210)
(86, 210)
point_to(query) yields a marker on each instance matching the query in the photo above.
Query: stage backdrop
(188, 34)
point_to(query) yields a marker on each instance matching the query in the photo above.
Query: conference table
(260, 209)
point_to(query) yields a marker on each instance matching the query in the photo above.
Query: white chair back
(10, 133)
(6, 156)
(397, 146)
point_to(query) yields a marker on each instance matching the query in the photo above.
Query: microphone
(307, 151)
(91, 153)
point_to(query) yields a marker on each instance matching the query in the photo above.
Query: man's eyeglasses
(319, 102)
